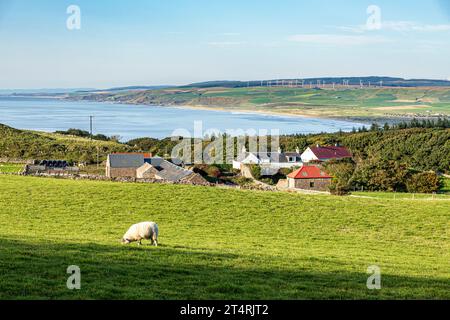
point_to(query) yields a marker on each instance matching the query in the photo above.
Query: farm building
(322, 154)
(160, 169)
(124, 165)
(270, 162)
(51, 167)
(309, 178)
(143, 166)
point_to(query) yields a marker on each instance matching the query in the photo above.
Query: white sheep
(142, 231)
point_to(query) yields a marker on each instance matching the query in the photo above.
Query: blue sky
(181, 41)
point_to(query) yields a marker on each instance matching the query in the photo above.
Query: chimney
(297, 150)
(318, 145)
(279, 150)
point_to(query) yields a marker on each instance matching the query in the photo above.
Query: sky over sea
(152, 42)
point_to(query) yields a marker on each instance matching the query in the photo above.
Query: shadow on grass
(38, 271)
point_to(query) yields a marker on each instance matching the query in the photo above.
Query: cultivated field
(216, 243)
(340, 103)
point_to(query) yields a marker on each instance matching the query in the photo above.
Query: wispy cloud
(333, 39)
(399, 26)
(225, 44)
(230, 34)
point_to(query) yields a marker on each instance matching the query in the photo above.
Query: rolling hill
(343, 103)
(23, 144)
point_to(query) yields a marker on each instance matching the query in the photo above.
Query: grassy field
(10, 168)
(403, 196)
(216, 243)
(446, 185)
(342, 102)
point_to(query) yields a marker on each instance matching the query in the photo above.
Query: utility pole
(91, 119)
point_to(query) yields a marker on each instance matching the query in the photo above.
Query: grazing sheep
(142, 231)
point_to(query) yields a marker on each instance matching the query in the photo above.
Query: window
(312, 184)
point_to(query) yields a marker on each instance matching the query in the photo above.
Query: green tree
(424, 182)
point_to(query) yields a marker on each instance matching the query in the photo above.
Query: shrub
(342, 172)
(213, 171)
(256, 171)
(242, 181)
(381, 175)
(285, 171)
(424, 182)
(208, 171)
(268, 181)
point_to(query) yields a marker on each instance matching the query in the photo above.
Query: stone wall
(16, 161)
(33, 169)
(121, 172)
(311, 184)
(117, 179)
(195, 179)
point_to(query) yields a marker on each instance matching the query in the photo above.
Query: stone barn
(311, 178)
(123, 165)
(160, 169)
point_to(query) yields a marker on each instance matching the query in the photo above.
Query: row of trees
(441, 123)
(379, 175)
(86, 134)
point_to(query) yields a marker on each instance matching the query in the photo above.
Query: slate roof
(130, 160)
(309, 172)
(167, 170)
(325, 153)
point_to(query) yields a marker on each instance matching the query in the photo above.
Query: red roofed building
(322, 154)
(309, 178)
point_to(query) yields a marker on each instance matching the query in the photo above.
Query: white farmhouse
(322, 154)
(270, 162)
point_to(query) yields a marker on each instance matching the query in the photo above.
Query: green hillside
(216, 243)
(339, 103)
(22, 144)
